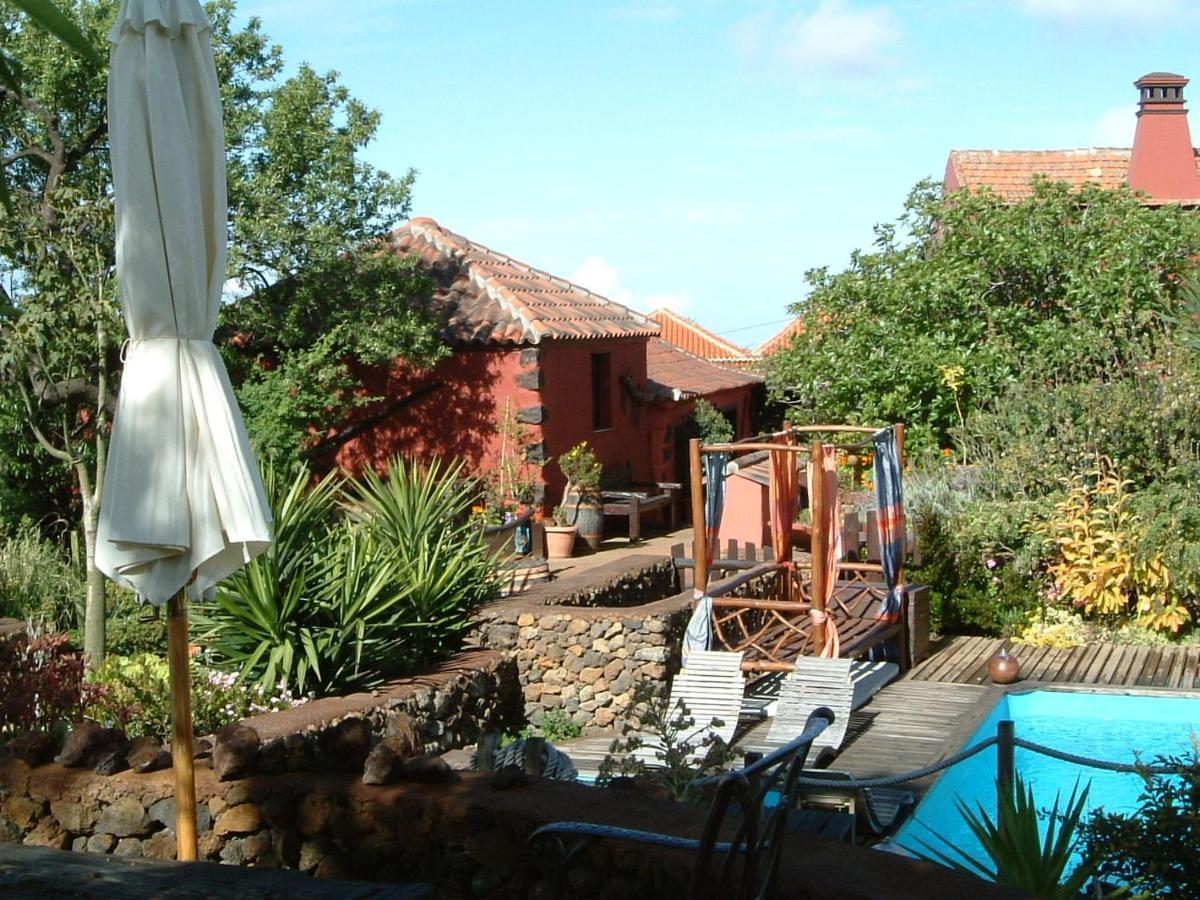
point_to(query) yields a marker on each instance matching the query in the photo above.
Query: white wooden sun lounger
(842, 685)
(710, 686)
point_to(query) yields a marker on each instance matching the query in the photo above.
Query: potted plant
(582, 505)
(560, 537)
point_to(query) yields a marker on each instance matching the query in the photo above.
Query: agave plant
(1017, 854)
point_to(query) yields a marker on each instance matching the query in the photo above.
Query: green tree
(1061, 287)
(300, 201)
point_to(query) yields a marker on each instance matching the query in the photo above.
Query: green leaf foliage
(342, 601)
(1153, 849)
(1017, 853)
(1061, 287)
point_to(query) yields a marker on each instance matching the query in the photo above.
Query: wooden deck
(963, 660)
(927, 714)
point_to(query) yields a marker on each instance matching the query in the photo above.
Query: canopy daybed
(815, 606)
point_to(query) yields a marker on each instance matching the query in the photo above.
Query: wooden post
(816, 503)
(181, 727)
(1005, 766)
(905, 613)
(699, 543)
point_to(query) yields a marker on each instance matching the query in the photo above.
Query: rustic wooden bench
(634, 503)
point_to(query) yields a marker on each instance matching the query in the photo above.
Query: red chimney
(1163, 163)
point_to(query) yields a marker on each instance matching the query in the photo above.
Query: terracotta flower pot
(560, 541)
(1003, 668)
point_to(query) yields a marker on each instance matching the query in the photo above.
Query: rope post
(816, 503)
(699, 539)
(1005, 766)
(181, 727)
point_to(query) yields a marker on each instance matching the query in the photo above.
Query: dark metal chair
(754, 806)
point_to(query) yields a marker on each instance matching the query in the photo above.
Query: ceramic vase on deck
(1003, 668)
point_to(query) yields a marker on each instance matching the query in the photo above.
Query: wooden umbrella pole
(699, 541)
(816, 504)
(181, 727)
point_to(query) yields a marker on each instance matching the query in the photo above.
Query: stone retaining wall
(469, 838)
(450, 706)
(587, 661)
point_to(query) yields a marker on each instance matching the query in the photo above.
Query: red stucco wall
(567, 395)
(458, 419)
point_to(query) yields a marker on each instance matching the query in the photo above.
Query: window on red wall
(601, 391)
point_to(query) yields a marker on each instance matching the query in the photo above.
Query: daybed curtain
(783, 490)
(831, 528)
(698, 635)
(889, 516)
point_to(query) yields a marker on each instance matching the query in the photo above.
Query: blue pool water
(1104, 726)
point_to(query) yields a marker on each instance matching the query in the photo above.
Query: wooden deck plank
(1050, 663)
(1103, 653)
(1175, 674)
(1190, 665)
(1079, 656)
(1114, 663)
(942, 665)
(1149, 669)
(1030, 658)
(1165, 663)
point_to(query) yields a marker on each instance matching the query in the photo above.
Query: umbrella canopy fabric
(182, 492)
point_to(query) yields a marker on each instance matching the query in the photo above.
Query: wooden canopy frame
(773, 630)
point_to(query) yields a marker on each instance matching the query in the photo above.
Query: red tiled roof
(485, 297)
(674, 374)
(782, 339)
(699, 341)
(1009, 172)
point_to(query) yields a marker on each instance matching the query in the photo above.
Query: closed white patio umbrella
(183, 505)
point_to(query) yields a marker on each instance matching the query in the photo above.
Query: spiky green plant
(1017, 854)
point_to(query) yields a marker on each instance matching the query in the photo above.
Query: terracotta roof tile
(485, 297)
(673, 374)
(699, 341)
(1009, 172)
(782, 339)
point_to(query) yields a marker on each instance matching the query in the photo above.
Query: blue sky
(704, 154)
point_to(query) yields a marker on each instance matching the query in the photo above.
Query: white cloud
(1123, 12)
(675, 302)
(837, 38)
(1115, 127)
(599, 275)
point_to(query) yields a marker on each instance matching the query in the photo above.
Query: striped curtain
(698, 635)
(889, 516)
(831, 528)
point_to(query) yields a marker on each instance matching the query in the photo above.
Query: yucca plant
(341, 601)
(446, 570)
(1017, 854)
(265, 619)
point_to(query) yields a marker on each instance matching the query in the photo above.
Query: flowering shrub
(137, 697)
(41, 683)
(582, 469)
(1098, 568)
(1054, 627)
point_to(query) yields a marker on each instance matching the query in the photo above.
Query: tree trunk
(94, 612)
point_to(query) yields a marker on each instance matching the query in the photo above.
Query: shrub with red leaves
(41, 683)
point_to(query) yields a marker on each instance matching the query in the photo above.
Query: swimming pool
(1100, 725)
